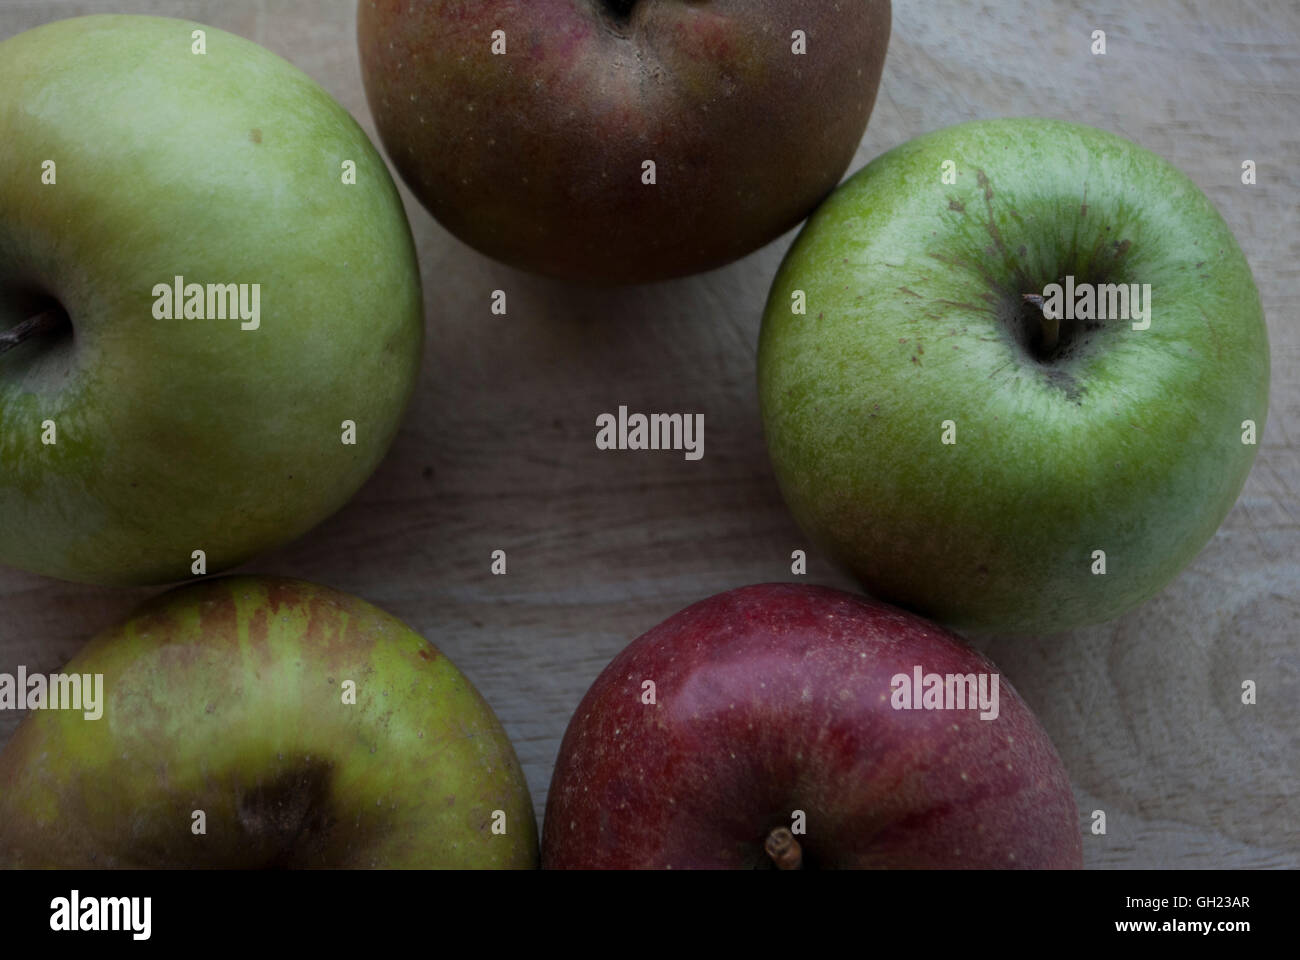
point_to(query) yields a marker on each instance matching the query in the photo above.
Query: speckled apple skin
(227, 697)
(775, 698)
(535, 157)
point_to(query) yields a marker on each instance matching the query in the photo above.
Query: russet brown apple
(531, 144)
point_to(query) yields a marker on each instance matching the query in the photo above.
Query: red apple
(535, 155)
(780, 698)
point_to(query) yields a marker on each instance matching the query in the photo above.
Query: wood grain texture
(497, 449)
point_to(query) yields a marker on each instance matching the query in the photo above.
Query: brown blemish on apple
(282, 593)
(342, 640)
(957, 205)
(255, 135)
(217, 615)
(258, 628)
(1214, 335)
(990, 225)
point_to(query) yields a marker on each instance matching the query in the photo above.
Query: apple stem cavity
(45, 322)
(1049, 326)
(784, 849)
(620, 9)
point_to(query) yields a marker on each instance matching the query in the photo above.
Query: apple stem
(1051, 326)
(784, 849)
(44, 322)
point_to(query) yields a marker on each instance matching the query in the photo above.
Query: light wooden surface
(498, 451)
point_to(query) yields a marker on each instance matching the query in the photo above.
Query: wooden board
(497, 450)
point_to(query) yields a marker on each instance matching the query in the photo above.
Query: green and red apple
(260, 722)
(770, 727)
(965, 450)
(137, 427)
(526, 128)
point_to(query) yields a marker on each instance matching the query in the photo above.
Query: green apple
(260, 722)
(962, 448)
(138, 150)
